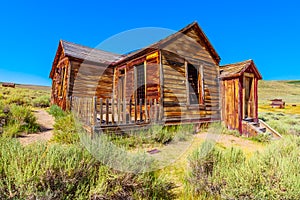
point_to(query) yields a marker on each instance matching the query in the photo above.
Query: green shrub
(184, 132)
(227, 174)
(202, 163)
(263, 137)
(2, 106)
(163, 136)
(18, 99)
(41, 101)
(65, 130)
(23, 116)
(56, 111)
(155, 135)
(54, 171)
(20, 119)
(12, 130)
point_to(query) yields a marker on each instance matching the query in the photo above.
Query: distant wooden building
(12, 85)
(176, 80)
(277, 103)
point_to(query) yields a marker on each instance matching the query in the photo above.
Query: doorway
(248, 97)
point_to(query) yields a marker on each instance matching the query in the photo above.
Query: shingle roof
(89, 54)
(236, 69)
(83, 53)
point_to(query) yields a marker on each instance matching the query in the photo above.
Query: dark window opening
(193, 84)
(140, 82)
(122, 71)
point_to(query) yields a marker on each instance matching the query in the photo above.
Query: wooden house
(80, 71)
(176, 80)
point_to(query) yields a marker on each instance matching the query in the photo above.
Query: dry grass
(289, 91)
(34, 87)
(177, 171)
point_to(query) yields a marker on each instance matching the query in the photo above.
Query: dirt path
(46, 121)
(231, 141)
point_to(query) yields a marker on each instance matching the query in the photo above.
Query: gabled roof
(161, 43)
(83, 53)
(87, 53)
(237, 69)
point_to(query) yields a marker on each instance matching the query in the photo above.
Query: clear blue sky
(266, 31)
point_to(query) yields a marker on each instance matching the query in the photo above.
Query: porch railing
(94, 111)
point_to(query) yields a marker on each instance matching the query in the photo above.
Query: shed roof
(237, 69)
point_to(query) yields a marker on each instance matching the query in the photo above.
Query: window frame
(200, 84)
(140, 82)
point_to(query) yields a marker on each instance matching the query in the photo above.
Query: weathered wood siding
(152, 77)
(88, 80)
(189, 47)
(231, 103)
(60, 82)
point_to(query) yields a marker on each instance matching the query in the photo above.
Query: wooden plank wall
(152, 82)
(152, 75)
(190, 48)
(60, 83)
(88, 80)
(174, 88)
(230, 103)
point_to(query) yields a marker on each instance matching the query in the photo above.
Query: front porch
(97, 113)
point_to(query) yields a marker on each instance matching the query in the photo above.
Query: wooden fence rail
(112, 112)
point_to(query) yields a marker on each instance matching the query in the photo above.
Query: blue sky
(266, 31)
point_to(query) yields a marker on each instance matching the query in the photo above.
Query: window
(195, 84)
(140, 82)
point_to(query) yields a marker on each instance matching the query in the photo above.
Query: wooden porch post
(161, 84)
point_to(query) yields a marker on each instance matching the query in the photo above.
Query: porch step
(249, 119)
(262, 129)
(255, 124)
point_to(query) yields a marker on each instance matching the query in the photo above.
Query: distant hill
(289, 91)
(32, 87)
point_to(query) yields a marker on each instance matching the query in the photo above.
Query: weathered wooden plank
(107, 111)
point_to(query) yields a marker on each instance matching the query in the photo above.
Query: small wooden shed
(277, 103)
(239, 83)
(12, 85)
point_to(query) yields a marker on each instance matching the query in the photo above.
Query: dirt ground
(232, 141)
(46, 121)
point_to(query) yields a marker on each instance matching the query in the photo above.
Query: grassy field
(16, 106)
(286, 120)
(289, 91)
(216, 164)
